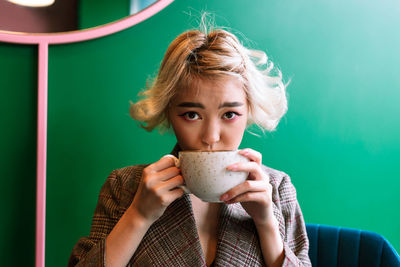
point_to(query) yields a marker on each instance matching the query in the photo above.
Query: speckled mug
(205, 172)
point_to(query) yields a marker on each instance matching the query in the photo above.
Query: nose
(211, 134)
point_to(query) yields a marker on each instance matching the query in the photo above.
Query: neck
(206, 217)
(206, 214)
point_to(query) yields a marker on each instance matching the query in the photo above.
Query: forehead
(226, 89)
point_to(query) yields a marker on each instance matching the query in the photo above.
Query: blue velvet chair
(336, 246)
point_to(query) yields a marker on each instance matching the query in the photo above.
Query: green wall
(18, 97)
(92, 13)
(339, 141)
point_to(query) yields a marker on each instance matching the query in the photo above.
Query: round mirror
(66, 15)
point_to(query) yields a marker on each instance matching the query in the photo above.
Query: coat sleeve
(296, 243)
(90, 250)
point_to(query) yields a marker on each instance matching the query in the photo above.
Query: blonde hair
(196, 55)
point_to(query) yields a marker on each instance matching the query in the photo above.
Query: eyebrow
(231, 104)
(191, 105)
(199, 105)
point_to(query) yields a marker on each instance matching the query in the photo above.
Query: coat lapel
(238, 243)
(172, 240)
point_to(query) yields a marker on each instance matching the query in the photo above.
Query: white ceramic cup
(205, 172)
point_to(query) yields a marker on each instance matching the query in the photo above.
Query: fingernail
(232, 167)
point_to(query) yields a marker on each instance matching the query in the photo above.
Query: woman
(208, 90)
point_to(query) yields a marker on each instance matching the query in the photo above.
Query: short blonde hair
(196, 55)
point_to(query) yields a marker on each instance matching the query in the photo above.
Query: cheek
(241, 123)
(237, 134)
(233, 134)
(184, 134)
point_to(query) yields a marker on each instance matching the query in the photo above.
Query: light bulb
(32, 3)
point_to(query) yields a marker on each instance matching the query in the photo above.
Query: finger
(251, 167)
(167, 198)
(248, 197)
(171, 184)
(173, 195)
(152, 179)
(162, 190)
(162, 164)
(246, 186)
(168, 173)
(251, 154)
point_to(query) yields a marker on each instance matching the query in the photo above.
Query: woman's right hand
(158, 188)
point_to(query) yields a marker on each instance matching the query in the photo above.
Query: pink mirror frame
(43, 41)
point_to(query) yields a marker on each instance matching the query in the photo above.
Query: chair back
(332, 246)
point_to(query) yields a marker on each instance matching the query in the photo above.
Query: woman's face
(212, 116)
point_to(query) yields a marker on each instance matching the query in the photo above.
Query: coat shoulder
(126, 183)
(130, 174)
(276, 177)
(283, 187)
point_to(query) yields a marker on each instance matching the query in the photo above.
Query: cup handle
(176, 160)
(177, 164)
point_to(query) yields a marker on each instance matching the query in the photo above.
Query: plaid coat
(173, 239)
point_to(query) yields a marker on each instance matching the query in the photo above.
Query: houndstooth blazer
(173, 239)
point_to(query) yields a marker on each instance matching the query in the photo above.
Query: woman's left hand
(255, 194)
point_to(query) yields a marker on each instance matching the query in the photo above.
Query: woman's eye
(230, 115)
(190, 116)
